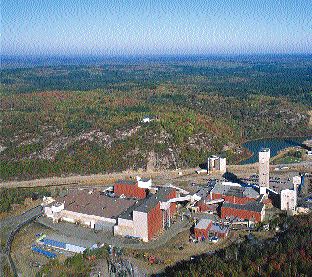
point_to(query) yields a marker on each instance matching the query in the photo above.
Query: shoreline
(264, 138)
(282, 137)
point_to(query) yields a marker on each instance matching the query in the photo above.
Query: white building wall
(125, 227)
(211, 163)
(222, 165)
(68, 219)
(263, 190)
(216, 163)
(145, 185)
(166, 205)
(140, 225)
(72, 217)
(288, 200)
(297, 180)
(57, 207)
(74, 248)
(262, 214)
(48, 212)
(264, 168)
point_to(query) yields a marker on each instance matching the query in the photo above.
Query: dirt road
(164, 175)
(82, 180)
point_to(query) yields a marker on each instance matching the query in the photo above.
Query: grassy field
(288, 156)
(22, 254)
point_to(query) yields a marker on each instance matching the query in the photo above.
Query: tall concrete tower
(264, 168)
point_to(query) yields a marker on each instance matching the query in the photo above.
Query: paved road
(72, 230)
(305, 164)
(88, 179)
(15, 220)
(10, 226)
(111, 177)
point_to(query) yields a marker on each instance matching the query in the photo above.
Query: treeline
(9, 196)
(287, 254)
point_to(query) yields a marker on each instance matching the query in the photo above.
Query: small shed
(202, 228)
(219, 231)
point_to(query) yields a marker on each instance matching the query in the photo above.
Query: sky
(144, 27)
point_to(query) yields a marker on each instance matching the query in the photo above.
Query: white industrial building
(88, 208)
(145, 183)
(216, 163)
(289, 196)
(66, 243)
(288, 200)
(148, 216)
(264, 169)
(134, 222)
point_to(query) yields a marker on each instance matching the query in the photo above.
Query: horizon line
(155, 55)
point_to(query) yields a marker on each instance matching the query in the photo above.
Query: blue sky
(111, 27)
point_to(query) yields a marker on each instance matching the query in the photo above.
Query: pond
(275, 145)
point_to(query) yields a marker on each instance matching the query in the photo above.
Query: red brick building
(205, 228)
(154, 219)
(129, 189)
(203, 207)
(201, 230)
(148, 216)
(251, 211)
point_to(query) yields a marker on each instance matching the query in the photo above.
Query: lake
(275, 145)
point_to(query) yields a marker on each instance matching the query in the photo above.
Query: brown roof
(95, 203)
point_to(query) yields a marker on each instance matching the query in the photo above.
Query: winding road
(10, 226)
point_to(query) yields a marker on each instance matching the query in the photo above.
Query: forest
(9, 196)
(82, 117)
(287, 254)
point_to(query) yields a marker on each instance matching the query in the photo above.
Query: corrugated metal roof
(87, 243)
(54, 243)
(218, 229)
(203, 192)
(95, 203)
(48, 254)
(203, 224)
(237, 191)
(251, 193)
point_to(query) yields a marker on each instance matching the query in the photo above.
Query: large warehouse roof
(95, 203)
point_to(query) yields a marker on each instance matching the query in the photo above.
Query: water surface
(275, 145)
